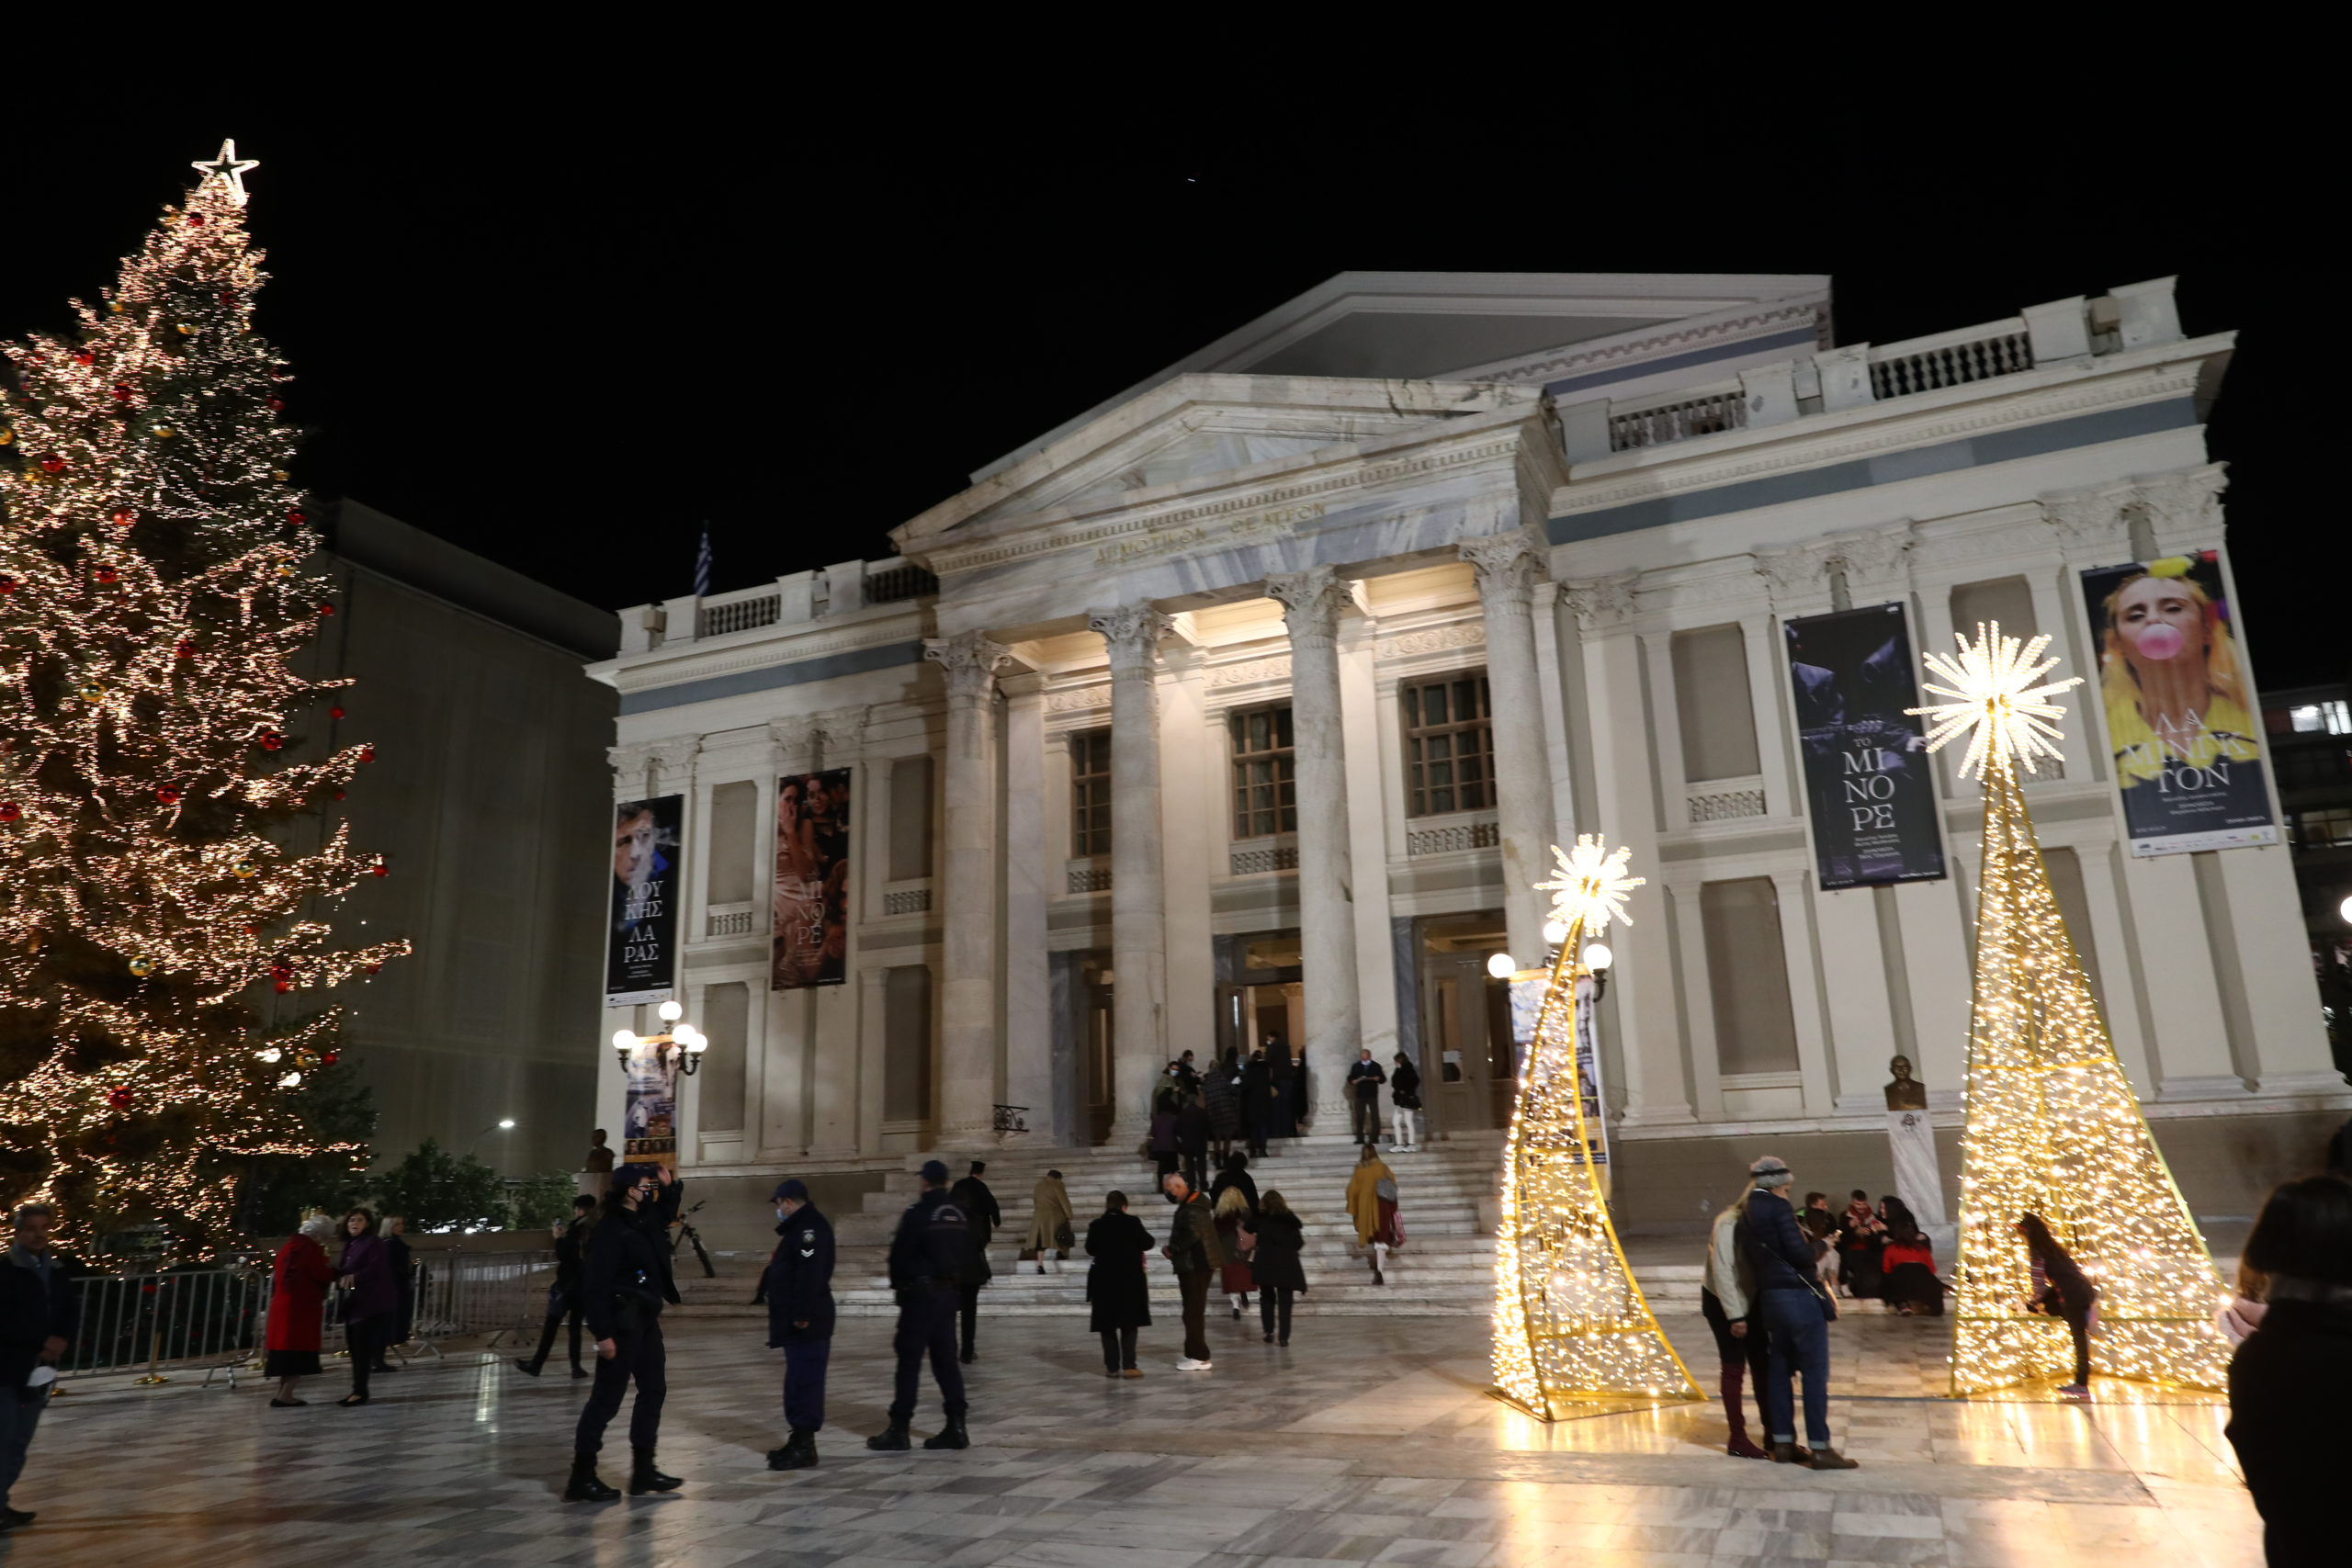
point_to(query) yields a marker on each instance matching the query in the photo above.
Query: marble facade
(1236, 535)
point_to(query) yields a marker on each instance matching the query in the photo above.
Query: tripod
(685, 1228)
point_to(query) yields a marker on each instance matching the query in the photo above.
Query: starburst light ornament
(2052, 1127)
(1570, 1325)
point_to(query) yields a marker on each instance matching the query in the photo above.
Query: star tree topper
(1993, 692)
(229, 169)
(1591, 888)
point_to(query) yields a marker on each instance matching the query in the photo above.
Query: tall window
(1265, 794)
(1449, 745)
(1090, 793)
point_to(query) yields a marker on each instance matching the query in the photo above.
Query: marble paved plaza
(1370, 1439)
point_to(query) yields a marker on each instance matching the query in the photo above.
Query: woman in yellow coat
(1372, 1204)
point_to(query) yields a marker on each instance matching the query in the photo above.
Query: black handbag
(1065, 1239)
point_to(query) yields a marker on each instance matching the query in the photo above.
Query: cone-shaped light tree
(153, 590)
(1570, 1325)
(2054, 1128)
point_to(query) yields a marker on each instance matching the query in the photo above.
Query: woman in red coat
(298, 1295)
(1234, 1216)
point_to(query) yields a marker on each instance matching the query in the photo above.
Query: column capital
(792, 739)
(970, 662)
(1311, 601)
(1602, 601)
(841, 733)
(1132, 632)
(1507, 563)
(2088, 521)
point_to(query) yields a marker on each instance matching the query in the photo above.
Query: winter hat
(627, 1176)
(792, 1188)
(934, 1172)
(1770, 1171)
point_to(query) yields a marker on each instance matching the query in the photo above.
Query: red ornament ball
(326, 610)
(379, 869)
(121, 392)
(367, 753)
(281, 972)
(119, 1099)
(269, 740)
(106, 574)
(297, 517)
(84, 357)
(285, 985)
(277, 405)
(7, 585)
(335, 712)
(196, 219)
(124, 517)
(375, 968)
(168, 796)
(338, 794)
(50, 463)
(326, 1058)
(228, 296)
(10, 811)
(186, 649)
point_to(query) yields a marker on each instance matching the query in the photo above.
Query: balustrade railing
(719, 616)
(1701, 415)
(1955, 360)
(897, 582)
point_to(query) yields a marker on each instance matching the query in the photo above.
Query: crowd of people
(1773, 1277)
(1197, 1115)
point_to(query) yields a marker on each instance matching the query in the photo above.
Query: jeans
(563, 1308)
(638, 1356)
(1800, 1343)
(1273, 1309)
(1364, 1118)
(1193, 1284)
(967, 1312)
(366, 1339)
(1400, 1126)
(1118, 1348)
(17, 1419)
(926, 1324)
(804, 1383)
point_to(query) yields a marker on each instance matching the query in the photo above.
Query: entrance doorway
(1261, 1007)
(1468, 1072)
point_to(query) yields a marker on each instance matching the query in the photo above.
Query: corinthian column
(1311, 602)
(1139, 917)
(1506, 566)
(966, 1108)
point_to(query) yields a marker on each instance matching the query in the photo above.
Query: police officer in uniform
(799, 1289)
(623, 1280)
(927, 1256)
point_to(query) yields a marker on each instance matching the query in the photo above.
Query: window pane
(1412, 707)
(1437, 706)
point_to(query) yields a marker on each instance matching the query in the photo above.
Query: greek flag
(702, 566)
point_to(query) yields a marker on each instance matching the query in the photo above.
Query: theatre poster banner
(650, 1124)
(642, 926)
(2179, 707)
(1871, 798)
(812, 880)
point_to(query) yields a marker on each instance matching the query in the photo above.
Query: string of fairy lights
(2053, 1126)
(1570, 1323)
(152, 598)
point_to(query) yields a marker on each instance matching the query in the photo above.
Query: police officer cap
(793, 1188)
(627, 1176)
(934, 1172)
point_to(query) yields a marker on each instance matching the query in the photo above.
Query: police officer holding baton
(800, 1290)
(926, 1258)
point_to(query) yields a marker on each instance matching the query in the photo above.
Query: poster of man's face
(640, 964)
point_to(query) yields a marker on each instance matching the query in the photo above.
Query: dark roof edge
(407, 554)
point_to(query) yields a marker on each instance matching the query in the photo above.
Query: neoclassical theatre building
(1243, 708)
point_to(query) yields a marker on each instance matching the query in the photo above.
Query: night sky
(563, 317)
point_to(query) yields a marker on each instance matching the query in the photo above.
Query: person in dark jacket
(38, 1307)
(1193, 1250)
(799, 1289)
(1259, 1100)
(1193, 1138)
(371, 1300)
(394, 1230)
(1118, 1291)
(563, 1296)
(982, 1216)
(1162, 1139)
(2291, 1379)
(2061, 1290)
(1365, 1078)
(1781, 1265)
(927, 1259)
(623, 1280)
(1234, 1174)
(1221, 1097)
(1275, 1239)
(1403, 1102)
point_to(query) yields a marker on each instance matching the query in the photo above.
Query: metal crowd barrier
(218, 1319)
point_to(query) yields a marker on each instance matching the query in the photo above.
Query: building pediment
(1196, 431)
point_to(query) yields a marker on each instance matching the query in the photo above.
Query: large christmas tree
(2053, 1126)
(156, 923)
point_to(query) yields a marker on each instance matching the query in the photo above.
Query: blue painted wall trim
(1796, 337)
(853, 662)
(1778, 489)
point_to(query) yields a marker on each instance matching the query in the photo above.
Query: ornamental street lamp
(680, 1045)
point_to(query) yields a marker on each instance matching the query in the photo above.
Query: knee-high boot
(1734, 1375)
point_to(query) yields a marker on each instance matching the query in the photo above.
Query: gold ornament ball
(243, 868)
(90, 692)
(163, 431)
(142, 967)
(285, 568)
(280, 475)
(184, 329)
